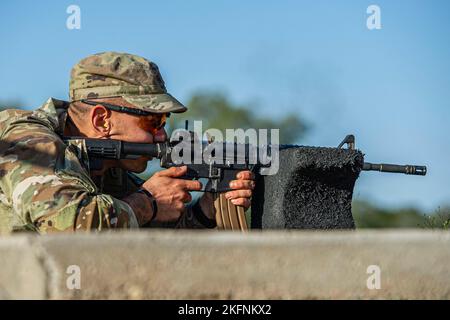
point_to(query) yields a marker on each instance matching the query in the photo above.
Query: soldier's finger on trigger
(187, 197)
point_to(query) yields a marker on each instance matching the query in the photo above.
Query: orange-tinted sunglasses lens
(153, 123)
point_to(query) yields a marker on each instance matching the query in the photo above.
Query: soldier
(47, 186)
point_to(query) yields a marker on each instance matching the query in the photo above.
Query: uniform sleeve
(48, 188)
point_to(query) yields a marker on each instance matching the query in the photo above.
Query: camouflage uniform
(45, 184)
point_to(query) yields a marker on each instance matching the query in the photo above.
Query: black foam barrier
(313, 189)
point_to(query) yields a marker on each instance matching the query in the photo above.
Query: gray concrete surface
(221, 265)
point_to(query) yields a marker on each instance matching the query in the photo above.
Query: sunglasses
(150, 121)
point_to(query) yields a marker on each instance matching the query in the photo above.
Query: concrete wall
(220, 265)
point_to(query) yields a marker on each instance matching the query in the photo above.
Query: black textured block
(313, 189)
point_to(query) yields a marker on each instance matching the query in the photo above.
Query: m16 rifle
(219, 168)
(219, 172)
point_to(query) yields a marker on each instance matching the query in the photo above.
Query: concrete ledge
(220, 265)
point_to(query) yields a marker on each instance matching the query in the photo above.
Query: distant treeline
(367, 215)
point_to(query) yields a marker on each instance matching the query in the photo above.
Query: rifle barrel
(395, 168)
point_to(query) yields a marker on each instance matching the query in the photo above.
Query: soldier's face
(133, 128)
(108, 124)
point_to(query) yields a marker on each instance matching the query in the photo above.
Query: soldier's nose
(160, 135)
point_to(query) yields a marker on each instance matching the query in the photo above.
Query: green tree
(440, 219)
(217, 111)
(368, 215)
(10, 104)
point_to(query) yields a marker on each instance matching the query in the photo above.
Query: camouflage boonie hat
(113, 74)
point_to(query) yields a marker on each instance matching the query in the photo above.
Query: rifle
(384, 167)
(218, 173)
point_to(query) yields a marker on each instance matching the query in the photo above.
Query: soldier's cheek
(140, 136)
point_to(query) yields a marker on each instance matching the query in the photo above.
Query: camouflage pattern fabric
(113, 74)
(45, 185)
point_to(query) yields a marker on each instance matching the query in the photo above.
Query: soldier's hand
(242, 189)
(170, 192)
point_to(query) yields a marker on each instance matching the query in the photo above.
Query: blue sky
(390, 87)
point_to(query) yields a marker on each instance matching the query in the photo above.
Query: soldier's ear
(101, 120)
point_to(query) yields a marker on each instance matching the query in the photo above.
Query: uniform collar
(55, 112)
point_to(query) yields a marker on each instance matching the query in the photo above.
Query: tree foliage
(368, 215)
(13, 104)
(217, 111)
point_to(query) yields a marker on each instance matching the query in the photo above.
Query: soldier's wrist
(152, 201)
(141, 206)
